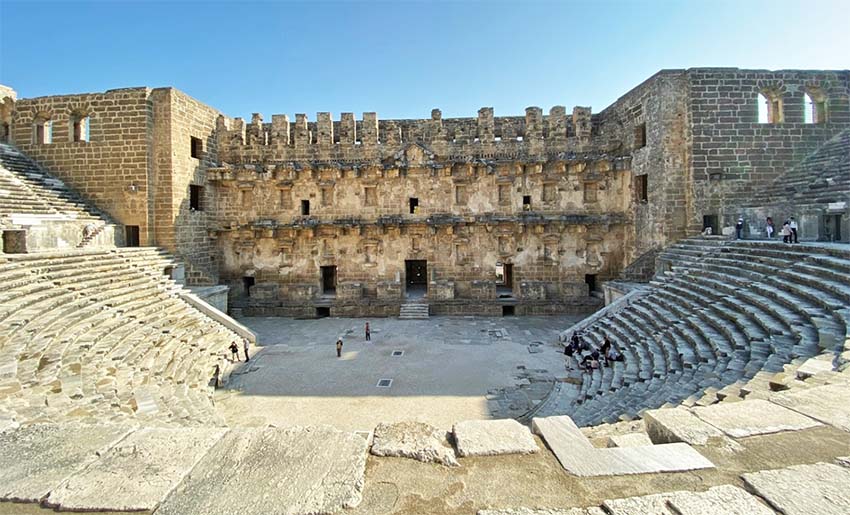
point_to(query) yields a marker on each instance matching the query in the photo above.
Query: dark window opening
(4, 132)
(590, 281)
(328, 280)
(305, 207)
(414, 205)
(196, 194)
(640, 135)
(641, 188)
(247, 284)
(323, 312)
(508, 311)
(197, 147)
(526, 202)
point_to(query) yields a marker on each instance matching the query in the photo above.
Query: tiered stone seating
(26, 188)
(103, 335)
(821, 178)
(722, 320)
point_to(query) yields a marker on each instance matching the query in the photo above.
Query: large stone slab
(138, 472)
(819, 489)
(628, 440)
(417, 440)
(531, 511)
(680, 425)
(754, 417)
(36, 459)
(725, 499)
(492, 437)
(579, 457)
(829, 404)
(292, 471)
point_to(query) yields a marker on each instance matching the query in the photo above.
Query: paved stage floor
(450, 369)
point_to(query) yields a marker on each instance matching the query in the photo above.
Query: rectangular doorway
(131, 235)
(416, 277)
(590, 281)
(247, 284)
(831, 228)
(504, 280)
(328, 280)
(712, 222)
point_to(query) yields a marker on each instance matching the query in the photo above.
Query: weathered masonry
(481, 215)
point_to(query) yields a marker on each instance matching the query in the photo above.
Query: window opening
(196, 194)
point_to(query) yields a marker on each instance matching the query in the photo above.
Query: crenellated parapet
(534, 135)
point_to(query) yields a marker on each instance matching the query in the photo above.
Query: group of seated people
(594, 358)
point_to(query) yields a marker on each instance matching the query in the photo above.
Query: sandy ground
(448, 366)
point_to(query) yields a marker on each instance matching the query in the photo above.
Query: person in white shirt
(793, 225)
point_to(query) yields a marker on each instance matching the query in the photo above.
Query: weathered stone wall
(734, 157)
(177, 119)
(651, 124)
(111, 169)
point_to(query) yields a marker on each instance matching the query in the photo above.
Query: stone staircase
(103, 335)
(721, 321)
(821, 178)
(414, 311)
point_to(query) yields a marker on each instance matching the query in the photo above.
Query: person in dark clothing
(368, 332)
(234, 349)
(339, 348)
(739, 228)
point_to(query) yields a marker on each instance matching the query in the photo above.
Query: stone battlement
(346, 139)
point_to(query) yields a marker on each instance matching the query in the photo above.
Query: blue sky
(402, 59)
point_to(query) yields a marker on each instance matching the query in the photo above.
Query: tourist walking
(786, 232)
(339, 348)
(769, 228)
(234, 349)
(368, 333)
(793, 225)
(245, 348)
(739, 228)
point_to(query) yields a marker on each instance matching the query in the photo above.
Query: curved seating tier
(26, 188)
(103, 335)
(720, 321)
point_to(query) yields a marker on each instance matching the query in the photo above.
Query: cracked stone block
(417, 440)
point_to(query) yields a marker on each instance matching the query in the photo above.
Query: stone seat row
(102, 334)
(32, 190)
(719, 321)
